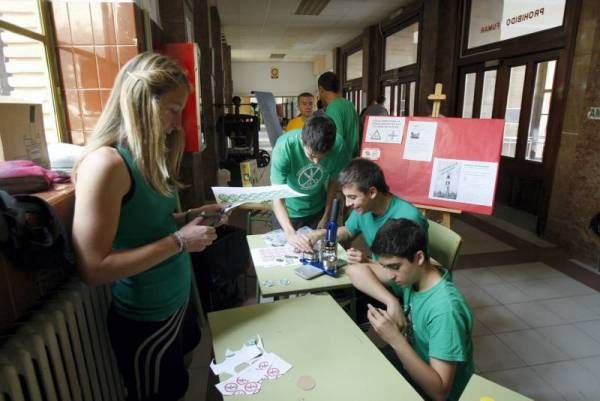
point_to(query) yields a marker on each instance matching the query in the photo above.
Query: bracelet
(181, 242)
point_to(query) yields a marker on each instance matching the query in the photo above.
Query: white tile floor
(536, 331)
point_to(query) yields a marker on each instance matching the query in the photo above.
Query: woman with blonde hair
(126, 231)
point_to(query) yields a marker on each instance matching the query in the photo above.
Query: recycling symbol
(310, 176)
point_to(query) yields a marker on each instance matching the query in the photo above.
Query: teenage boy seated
(367, 194)
(429, 341)
(308, 161)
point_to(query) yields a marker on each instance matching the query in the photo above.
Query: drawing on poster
(446, 179)
(375, 135)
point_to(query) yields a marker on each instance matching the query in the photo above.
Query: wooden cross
(437, 97)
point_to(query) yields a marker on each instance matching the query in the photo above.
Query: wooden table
(314, 335)
(277, 275)
(478, 388)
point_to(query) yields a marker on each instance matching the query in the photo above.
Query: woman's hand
(197, 236)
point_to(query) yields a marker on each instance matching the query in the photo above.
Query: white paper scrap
(385, 129)
(420, 140)
(233, 359)
(238, 195)
(371, 153)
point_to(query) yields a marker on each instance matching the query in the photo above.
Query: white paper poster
(463, 181)
(385, 129)
(420, 140)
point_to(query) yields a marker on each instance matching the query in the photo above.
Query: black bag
(32, 236)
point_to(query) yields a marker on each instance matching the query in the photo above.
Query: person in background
(126, 230)
(305, 107)
(341, 111)
(430, 340)
(308, 161)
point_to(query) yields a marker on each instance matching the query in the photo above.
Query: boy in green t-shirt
(367, 194)
(431, 339)
(308, 161)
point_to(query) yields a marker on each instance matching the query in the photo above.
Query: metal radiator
(61, 351)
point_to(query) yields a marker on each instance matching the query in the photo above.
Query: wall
(93, 41)
(294, 78)
(575, 195)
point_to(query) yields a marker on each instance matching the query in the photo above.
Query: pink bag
(24, 176)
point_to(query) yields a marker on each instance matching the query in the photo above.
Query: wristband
(181, 242)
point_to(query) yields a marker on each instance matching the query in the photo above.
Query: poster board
(441, 162)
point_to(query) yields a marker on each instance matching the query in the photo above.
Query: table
(296, 284)
(478, 388)
(314, 335)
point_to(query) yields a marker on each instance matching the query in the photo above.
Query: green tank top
(147, 216)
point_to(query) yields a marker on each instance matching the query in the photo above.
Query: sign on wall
(496, 20)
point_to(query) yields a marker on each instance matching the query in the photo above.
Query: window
(540, 108)
(487, 97)
(513, 110)
(25, 60)
(469, 95)
(354, 65)
(401, 47)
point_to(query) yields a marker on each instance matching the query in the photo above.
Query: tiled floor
(536, 329)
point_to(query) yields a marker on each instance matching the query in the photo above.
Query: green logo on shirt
(310, 176)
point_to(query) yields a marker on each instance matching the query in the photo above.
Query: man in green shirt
(308, 161)
(429, 341)
(367, 194)
(341, 110)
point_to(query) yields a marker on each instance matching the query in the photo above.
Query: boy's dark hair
(305, 94)
(329, 82)
(380, 99)
(319, 104)
(318, 133)
(364, 174)
(400, 237)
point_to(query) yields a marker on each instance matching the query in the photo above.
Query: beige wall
(576, 192)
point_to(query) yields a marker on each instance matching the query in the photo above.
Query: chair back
(444, 244)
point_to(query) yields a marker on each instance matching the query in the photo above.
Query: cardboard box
(22, 135)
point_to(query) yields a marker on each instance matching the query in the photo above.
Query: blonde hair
(131, 118)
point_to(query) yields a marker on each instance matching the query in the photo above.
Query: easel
(437, 97)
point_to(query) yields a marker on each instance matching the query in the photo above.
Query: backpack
(32, 236)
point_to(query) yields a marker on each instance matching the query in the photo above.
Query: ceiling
(257, 28)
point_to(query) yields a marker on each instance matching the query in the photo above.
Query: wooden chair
(444, 244)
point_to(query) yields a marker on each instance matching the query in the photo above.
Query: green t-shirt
(344, 114)
(368, 224)
(147, 216)
(289, 165)
(440, 326)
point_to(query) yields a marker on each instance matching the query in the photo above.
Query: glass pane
(487, 96)
(401, 47)
(387, 94)
(402, 105)
(540, 106)
(469, 95)
(23, 13)
(411, 99)
(24, 76)
(513, 110)
(354, 65)
(396, 101)
(360, 96)
(492, 21)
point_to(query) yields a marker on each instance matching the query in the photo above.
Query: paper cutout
(233, 359)
(371, 153)
(238, 195)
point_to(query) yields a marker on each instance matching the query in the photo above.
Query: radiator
(61, 350)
